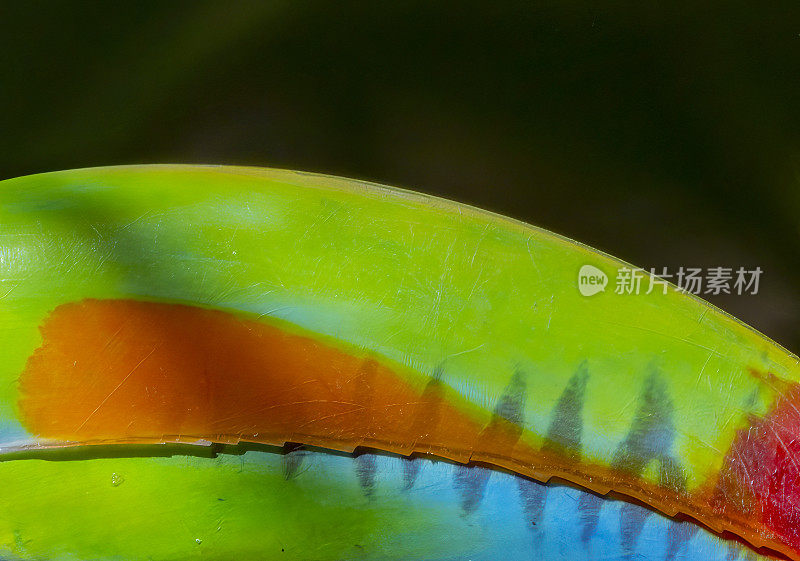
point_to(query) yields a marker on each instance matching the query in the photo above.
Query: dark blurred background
(667, 134)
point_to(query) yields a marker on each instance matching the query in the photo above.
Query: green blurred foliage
(667, 134)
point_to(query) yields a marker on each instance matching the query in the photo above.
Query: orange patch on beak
(132, 371)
